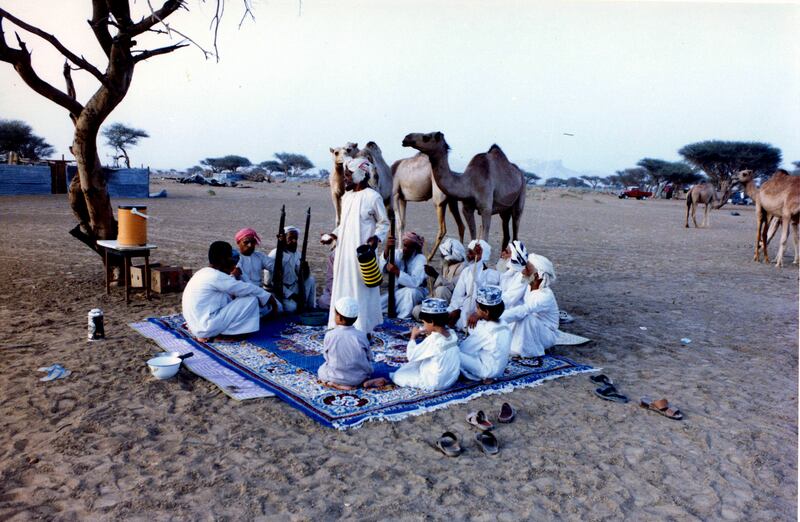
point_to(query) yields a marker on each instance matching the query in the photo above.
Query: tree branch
(155, 52)
(21, 60)
(156, 17)
(70, 88)
(99, 24)
(77, 60)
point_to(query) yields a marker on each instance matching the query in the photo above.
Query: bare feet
(203, 339)
(375, 383)
(336, 386)
(488, 381)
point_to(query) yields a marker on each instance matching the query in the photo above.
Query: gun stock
(301, 278)
(277, 276)
(392, 305)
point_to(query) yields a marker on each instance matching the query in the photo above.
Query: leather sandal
(662, 407)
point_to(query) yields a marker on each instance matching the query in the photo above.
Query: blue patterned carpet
(283, 357)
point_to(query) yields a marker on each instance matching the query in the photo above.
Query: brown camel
(381, 178)
(336, 179)
(704, 193)
(413, 181)
(490, 184)
(779, 198)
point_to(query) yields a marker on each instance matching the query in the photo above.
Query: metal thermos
(96, 331)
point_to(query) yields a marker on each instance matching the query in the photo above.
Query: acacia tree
(592, 180)
(17, 136)
(122, 137)
(722, 159)
(116, 31)
(229, 162)
(634, 176)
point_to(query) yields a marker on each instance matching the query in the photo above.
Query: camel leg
(757, 247)
(764, 226)
(688, 207)
(486, 224)
(506, 217)
(705, 216)
(796, 243)
(337, 204)
(785, 223)
(400, 208)
(441, 215)
(694, 214)
(469, 219)
(516, 217)
(452, 204)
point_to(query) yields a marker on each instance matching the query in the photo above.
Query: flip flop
(609, 392)
(479, 420)
(448, 444)
(662, 407)
(506, 414)
(601, 379)
(487, 443)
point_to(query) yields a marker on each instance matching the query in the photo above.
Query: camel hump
(495, 149)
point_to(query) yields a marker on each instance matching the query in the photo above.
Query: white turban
(485, 249)
(452, 251)
(347, 307)
(360, 168)
(544, 267)
(519, 256)
(290, 228)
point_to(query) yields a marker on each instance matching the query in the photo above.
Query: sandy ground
(110, 442)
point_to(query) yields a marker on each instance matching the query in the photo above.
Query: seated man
(534, 316)
(475, 275)
(293, 294)
(215, 303)
(408, 267)
(453, 263)
(250, 264)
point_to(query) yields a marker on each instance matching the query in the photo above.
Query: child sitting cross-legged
(433, 364)
(348, 358)
(484, 354)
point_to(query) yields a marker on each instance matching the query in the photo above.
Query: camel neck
(449, 182)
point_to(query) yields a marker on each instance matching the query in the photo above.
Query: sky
(595, 85)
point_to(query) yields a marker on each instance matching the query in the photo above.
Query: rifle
(277, 273)
(301, 280)
(392, 307)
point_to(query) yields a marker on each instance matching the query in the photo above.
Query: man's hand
(392, 269)
(473, 320)
(415, 332)
(506, 253)
(373, 242)
(282, 238)
(431, 272)
(453, 317)
(236, 272)
(327, 239)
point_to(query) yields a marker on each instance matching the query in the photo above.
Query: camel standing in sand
(779, 197)
(336, 179)
(704, 193)
(490, 184)
(381, 178)
(413, 181)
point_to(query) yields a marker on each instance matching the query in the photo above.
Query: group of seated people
(508, 311)
(505, 310)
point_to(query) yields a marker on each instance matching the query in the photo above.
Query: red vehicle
(635, 192)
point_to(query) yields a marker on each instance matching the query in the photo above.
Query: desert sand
(111, 442)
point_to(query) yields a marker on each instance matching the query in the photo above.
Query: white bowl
(164, 367)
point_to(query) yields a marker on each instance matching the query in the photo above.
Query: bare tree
(122, 137)
(115, 30)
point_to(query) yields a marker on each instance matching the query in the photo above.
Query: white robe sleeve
(460, 291)
(416, 352)
(534, 302)
(414, 275)
(235, 288)
(378, 212)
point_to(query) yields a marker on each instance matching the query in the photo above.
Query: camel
(336, 179)
(491, 184)
(381, 178)
(779, 198)
(704, 193)
(413, 181)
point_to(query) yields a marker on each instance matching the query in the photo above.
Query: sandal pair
(607, 391)
(449, 444)
(479, 420)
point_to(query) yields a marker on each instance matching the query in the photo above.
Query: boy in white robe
(534, 317)
(214, 303)
(408, 267)
(484, 353)
(363, 221)
(510, 266)
(434, 364)
(475, 275)
(348, 358)
(292, 270)
(251, 264)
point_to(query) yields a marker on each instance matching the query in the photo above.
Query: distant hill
(555, 169)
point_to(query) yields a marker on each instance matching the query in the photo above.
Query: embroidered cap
(347, 307)
(489, 295)
(433, 305)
